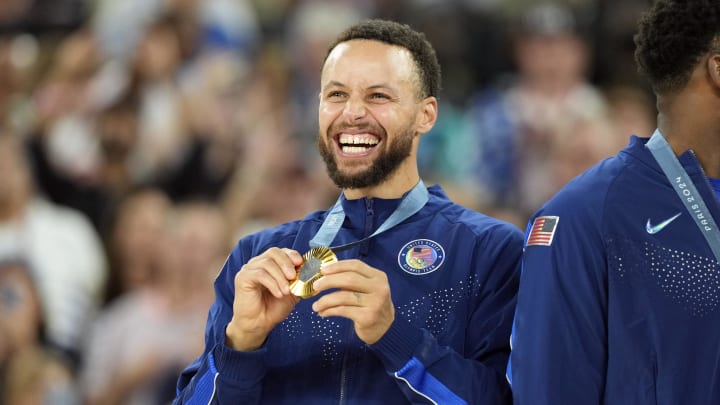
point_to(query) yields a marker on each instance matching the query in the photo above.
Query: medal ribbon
(410, 204)
(683, 185)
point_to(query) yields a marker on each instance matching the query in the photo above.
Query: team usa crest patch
(421, 256)
(542, 231)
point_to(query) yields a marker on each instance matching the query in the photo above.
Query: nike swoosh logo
(653, 229)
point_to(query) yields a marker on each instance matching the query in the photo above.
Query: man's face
(369, 106)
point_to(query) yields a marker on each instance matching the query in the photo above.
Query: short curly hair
(394, 33)
(672, 38)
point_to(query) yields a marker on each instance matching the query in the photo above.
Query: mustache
(364, 127)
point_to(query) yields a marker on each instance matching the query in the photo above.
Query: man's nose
(354, 109)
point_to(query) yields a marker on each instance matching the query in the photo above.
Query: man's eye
(335, 94)
(379, 96)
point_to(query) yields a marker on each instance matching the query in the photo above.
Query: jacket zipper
(343, 372)
(364, 249)
(369, 224)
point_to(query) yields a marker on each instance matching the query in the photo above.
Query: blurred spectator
(61, 247)
(272, 177)
(577, 148)
(228, 24)
(472, 43)
(64, 109)
(30, 373)
(516, 127)
(156, 328)
(21, 319)
(162, 127)
(8, 82)
(95, 192)
(134, 241)
(18, 60)
(616, 22)
(632, 110)
(214, 91)
(119, 24)
(287, 194)
(588, 141)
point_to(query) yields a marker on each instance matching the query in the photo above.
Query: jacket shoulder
(479, 224)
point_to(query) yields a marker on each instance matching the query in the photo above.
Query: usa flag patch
(542, 231)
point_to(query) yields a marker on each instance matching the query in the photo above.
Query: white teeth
(354, 149)
(358, 139)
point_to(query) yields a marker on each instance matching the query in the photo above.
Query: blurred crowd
(139, 139)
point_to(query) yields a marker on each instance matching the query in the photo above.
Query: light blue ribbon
(686, 190)
(410, 204)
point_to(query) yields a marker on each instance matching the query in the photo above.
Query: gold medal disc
(309, 271)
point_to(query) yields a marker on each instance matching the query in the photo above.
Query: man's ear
(713, 66)
(428, 115)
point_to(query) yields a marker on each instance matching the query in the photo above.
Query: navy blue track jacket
(621, 305)
(453, 275)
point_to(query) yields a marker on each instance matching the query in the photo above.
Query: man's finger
(338, 299)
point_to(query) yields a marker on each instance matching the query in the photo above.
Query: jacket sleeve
(428, 372)
(222, 375)
(559, 345)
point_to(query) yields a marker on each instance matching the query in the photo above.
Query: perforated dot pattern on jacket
(326, 330)
(432, 311)
(690, 280)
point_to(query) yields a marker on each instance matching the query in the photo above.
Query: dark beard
(385, 164)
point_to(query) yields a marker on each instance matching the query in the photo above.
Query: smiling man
(394, 295)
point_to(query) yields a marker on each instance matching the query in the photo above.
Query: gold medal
(309, 271)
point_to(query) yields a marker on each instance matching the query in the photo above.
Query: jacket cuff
(241, 369)
(398, 345)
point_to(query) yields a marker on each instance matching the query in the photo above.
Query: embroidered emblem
(421, 256)
(542, 231)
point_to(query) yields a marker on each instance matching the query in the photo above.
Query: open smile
(357, 144)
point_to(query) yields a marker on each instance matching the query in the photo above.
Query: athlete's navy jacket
(453, 276)
(622, 306)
